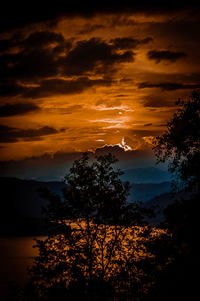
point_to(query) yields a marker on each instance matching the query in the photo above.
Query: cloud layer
(9, 134)
(79, 78)
(17, 109)
(165, 55)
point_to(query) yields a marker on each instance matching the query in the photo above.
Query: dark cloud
(55, 167)
(182, 32)
(158, 101)
(147, 124)
(10, 88)
(35, 62)
(17, 109)
(28, 65)
(129, 43)
(10, 134)
(88, 28)
(42, 38)
(163, 124)
(168, 86)
(93, 55)
(37, 39)
(145, 132)
(8, 43)
(165, 55)
(17, 15)
(36, 56)
(121, 95)
(51, 87)
(136, 158)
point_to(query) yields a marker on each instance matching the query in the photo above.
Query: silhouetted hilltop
(147, 191)
(146, 175)
(21, 203)
(24, 195)
(162, 201)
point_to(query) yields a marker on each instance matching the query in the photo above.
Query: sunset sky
(76, 79)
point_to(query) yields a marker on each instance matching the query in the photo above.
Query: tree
(180, 144)
(91, 248)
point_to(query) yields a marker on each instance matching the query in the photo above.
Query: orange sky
(87, 81)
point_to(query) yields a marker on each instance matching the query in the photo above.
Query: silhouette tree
(180, 146)
(92, 249)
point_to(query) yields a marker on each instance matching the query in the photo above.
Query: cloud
(10, 88)
(136, 158)
(37, 39)
(88, 28)
(19, 17)
(147, 124)
(158, 101)
(145, 132)
(10, 134)
(56, 165)
(17, 109)
(28, 65)
(51, 87)
(8, 43)
(93, 55)
(42, 38)
(167, 86)
(165, 55)
(129, 43)
(34, 57)
(38, 62)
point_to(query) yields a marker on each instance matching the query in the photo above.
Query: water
(16, 255)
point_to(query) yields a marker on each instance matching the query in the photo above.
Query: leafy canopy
(92, 235)
(180, 144)
(180, 147)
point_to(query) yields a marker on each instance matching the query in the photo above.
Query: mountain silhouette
(20, 212)
(146, 175)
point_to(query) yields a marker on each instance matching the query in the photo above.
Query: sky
(85, 78)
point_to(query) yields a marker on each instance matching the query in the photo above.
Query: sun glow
(124, 145)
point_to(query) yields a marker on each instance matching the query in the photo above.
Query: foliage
(93, 247)
(180, 144)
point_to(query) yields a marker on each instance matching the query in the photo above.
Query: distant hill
(145, 192)
(20, 207)
(161, 202)
(146, 175)
(24, 195)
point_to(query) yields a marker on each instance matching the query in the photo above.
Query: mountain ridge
(20, 212)
(146, 175)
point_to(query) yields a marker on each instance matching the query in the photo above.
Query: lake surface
(16, 255)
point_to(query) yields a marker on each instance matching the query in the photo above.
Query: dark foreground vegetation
(100, 248)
